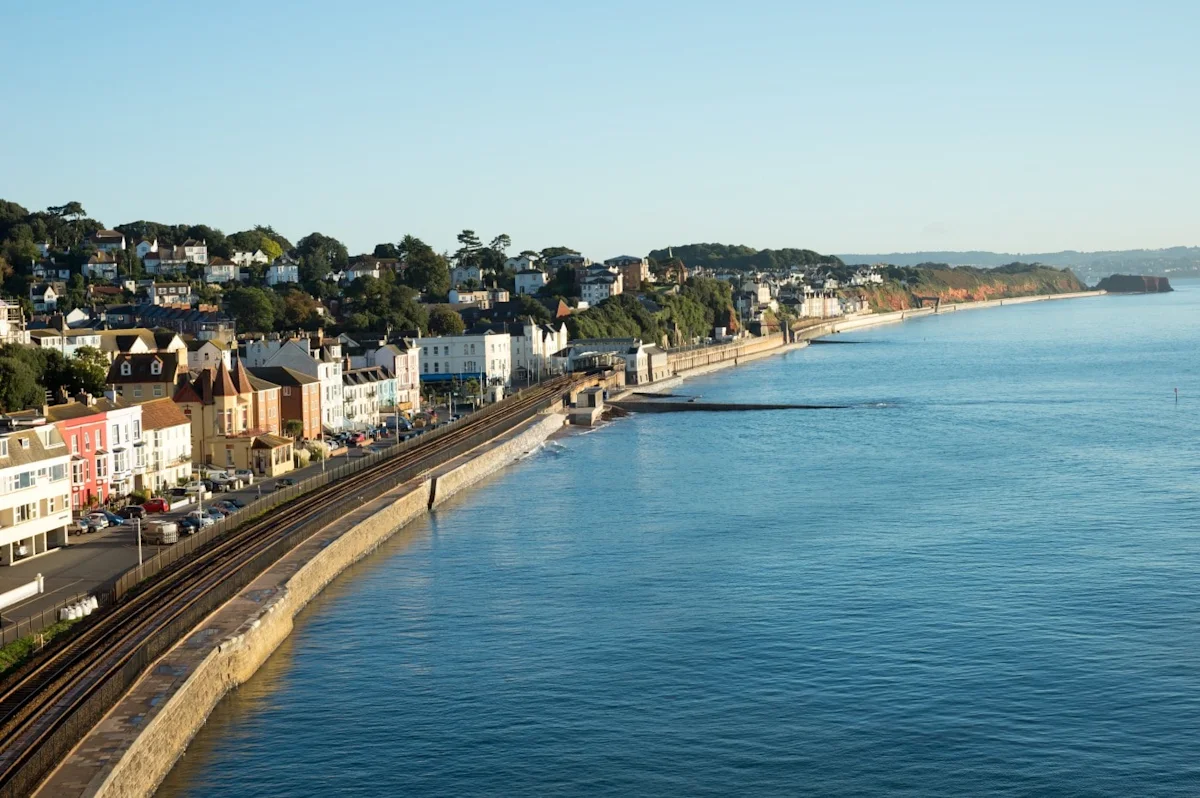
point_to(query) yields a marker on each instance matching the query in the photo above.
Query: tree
(425, 270)
(500, 243)
(76, 296)
(252, 309)
(554, 252)
(386, 251)
(293, 428)
(19, 387)
(89, 370)
(443, 320)
(299, 308)
(531, 308)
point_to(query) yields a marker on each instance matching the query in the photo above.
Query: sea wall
(446, 485)
(691, 358)
(133, 749)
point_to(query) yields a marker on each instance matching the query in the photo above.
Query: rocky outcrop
(1135, 284)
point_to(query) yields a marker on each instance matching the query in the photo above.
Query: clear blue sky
(616, 126)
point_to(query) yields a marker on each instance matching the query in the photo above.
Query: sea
(980, 577)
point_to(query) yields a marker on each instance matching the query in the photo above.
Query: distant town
(132, 358)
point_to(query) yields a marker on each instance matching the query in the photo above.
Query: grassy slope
(970, 285)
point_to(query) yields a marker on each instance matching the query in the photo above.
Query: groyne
(133, 748)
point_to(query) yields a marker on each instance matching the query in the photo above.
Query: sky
(616, 127)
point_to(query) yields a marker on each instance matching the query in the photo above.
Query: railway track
(47, 706)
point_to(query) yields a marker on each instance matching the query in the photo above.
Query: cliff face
(1135, 284)
(969, 285)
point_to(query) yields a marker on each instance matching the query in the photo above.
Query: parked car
(157, 505)
(98, 519)
(113, 518)
(132, 511)
(177, 493)
(204, 519)
(286, 482)
(226, 507)
(197, 487)
(216, 513)
(245, 475)
(160, 533)
(228, 482)
(80, 526)
(233, 501)
(189, 526)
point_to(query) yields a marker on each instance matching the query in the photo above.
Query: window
(287, 391)
(74, 444)
(4, 448)
(87, 441)
(158, 390)
(436, 368)
(156, 367)
(435, 350)
(101, 467)
(137, 429)
(137, 392)
(424, 368)
(26, 512)
(77, 473)
(58, 473)
(115, 437)
(126, 369)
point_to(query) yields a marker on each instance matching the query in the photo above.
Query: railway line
(49, 704)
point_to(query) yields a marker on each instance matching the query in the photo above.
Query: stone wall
(446, 485)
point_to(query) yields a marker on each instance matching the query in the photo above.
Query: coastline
(133, 748)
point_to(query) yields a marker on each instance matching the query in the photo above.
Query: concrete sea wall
(134, 748)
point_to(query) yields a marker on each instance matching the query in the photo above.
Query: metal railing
(32, 624)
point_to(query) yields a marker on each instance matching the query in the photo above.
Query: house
(167, 435)
(533, 347)
(530, 281)
(205, 323)
(171, 294)
(313, 355)
(485, 356)
(12, 323)
(365, 391)
(219, 270)
(820, 304)
(283, 270)
(105, 294)
(634, 271)
(568, 260)
(460, 275)
(402, 360)
(204, 354)
(35, 491)
(166, 261)
(101, 266)
(521, 263)
(64, 340)
(230, 426)
(140, 340)
(866, 277)
(299, 399)
(458, 296)
(357, 270)
(45, 296)
(142, 377)
(145, 247)
(643, 363)
(195, 251)
(242, 258)
(598, 286)
(83, 425)
(47, 270)
(126, 452)
(107, 240)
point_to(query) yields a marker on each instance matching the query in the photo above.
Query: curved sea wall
(131, 751)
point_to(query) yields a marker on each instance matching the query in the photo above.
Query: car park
(157, 505)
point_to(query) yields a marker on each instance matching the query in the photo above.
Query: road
(94, 560)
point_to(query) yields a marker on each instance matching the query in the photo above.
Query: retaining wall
(689, 359)
(456, 479)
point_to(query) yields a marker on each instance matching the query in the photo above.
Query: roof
(107, 234)
(76, 410)
(222, 382)
(33, 452)
(219, 261)
(162, 413)
(196, 344)
(140, 368)
(269, 441)
(282, 375)
(259, 384)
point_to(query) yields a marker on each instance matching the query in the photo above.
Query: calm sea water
(982, 579)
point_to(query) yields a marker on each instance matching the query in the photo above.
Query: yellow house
(235, 420)
(146, 376)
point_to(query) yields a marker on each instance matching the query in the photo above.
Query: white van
(160, 533)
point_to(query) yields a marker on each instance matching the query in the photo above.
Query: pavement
(92, 561)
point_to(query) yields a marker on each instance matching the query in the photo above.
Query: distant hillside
(905, 285)
(1089, 265)
(740, 258)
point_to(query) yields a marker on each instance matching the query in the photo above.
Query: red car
(156, 505)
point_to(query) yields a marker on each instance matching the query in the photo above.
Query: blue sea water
(981, 579)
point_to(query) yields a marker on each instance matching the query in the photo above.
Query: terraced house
(35, 492)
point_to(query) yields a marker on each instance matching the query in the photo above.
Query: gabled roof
(141, 368)
(269, 441)
(282, 375)
(222, 382)
(162, 413)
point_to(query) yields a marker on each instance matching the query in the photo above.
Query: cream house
(35, 492)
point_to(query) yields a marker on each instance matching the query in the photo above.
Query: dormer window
(126, 369)
(156, 367)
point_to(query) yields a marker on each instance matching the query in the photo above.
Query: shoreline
(137, 743)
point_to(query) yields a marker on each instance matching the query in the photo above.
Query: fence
(33, 624)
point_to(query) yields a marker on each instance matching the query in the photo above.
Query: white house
(12, 323)
(166, 260)
(208, 354)
(463, 274)
(44, 296)
(366, 392)
(534, 348)
(67, 342)
(167, 434)
(126, 450)
(145, 247)
(596, 288)
(356, 270)
(107, 240)
(283, 270)
(35, 492)
(866, 277)
(530, 281)
(317, 357)
(196, 251)
(403, 360)
(242, 258)
(101, 266)
(521, 262)
(219, 270)
(485, 356)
